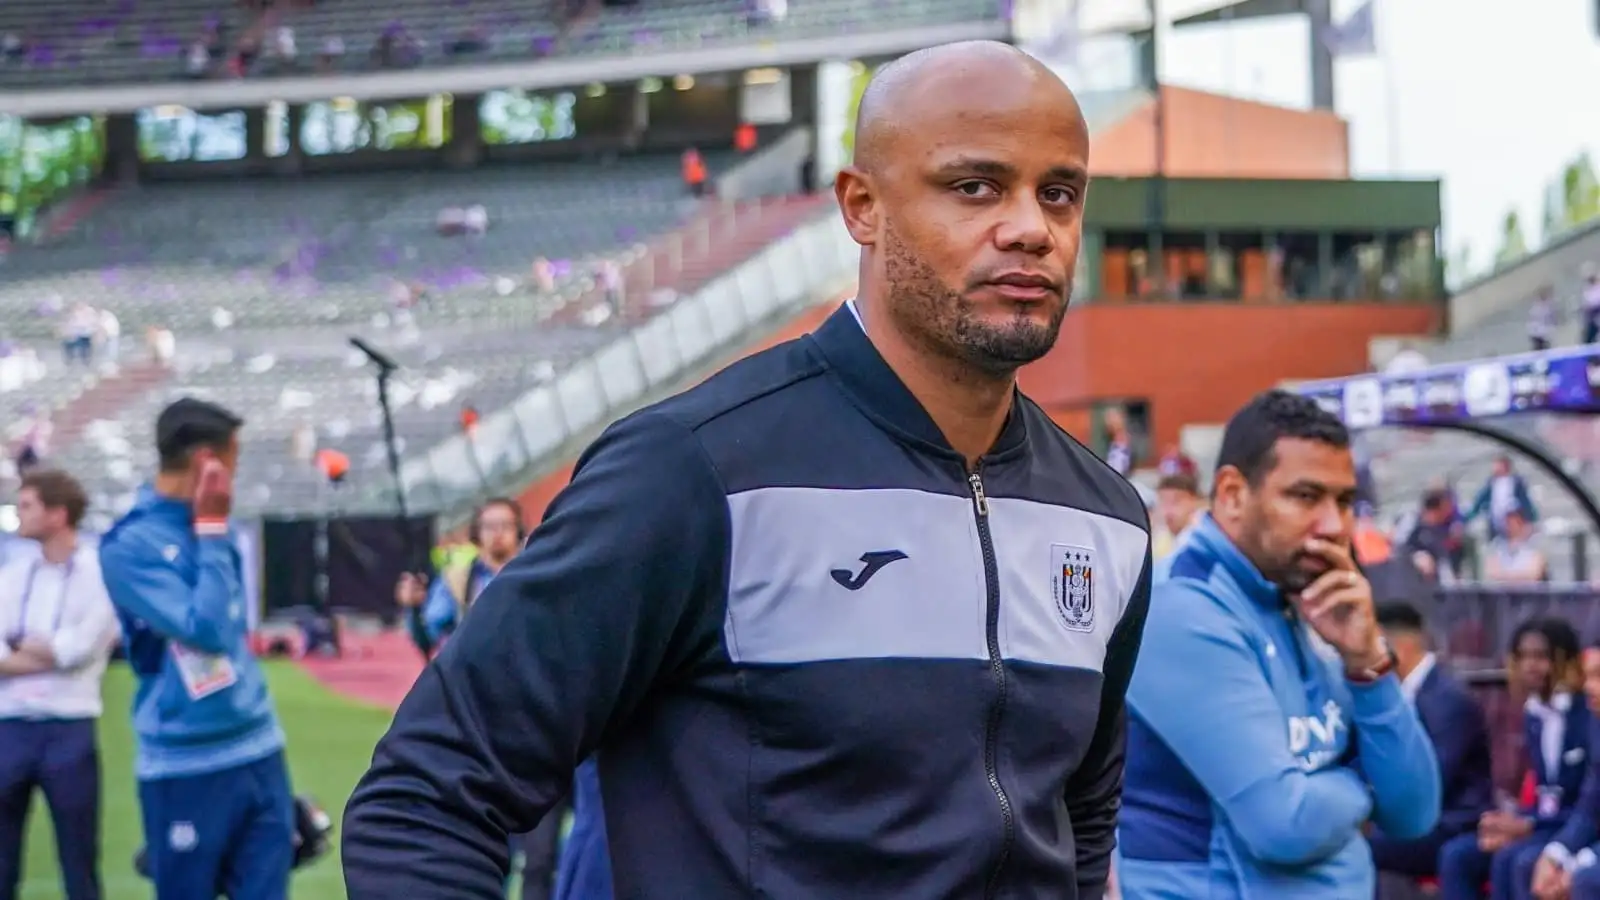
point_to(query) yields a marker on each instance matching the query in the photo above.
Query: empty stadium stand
(95, 41)
(261, 283)
(311, 379)
(280, 252)
(32, 380)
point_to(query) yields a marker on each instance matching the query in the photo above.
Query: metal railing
(1472, 624)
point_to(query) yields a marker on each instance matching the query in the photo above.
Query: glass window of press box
(1260, 266)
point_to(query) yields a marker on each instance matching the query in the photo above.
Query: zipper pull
(978, 498)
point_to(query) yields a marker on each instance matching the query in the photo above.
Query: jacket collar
(1414, 683)
(879, 392)
(149, 500)
(1560, 704)
(1207, 534)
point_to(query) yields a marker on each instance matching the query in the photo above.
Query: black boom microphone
(377, 356)
(386, 366)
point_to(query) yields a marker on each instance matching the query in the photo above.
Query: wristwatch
(1369, 675)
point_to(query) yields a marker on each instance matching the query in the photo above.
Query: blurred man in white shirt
(57, 627)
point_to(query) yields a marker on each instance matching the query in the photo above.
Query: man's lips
(1025, 286)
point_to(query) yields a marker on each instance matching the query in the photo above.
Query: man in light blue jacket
(213, 786)
(1267, 728)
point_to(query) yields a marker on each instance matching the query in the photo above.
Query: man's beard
(924, 306)
(1282, 570)
(1294, 579)
(1288, 574)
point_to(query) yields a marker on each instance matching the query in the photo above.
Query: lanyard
(27, 597)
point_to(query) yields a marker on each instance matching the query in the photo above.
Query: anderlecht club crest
(1074, 587)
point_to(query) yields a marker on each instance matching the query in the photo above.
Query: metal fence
(1472, 624)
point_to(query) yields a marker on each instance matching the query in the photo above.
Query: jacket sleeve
(1582, 827)
(617, 591)
(1464, 736)
(1396, 758)
(1480, 504)
(1094, 792)
(1201, 690)
(1525, 500)
(145, 585)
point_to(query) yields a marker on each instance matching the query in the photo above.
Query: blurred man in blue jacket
(1505, 492)
(1508, 843)
(585, 869)
(1567, 865)
(1267, 725)
(213, 786)
(1456, 724)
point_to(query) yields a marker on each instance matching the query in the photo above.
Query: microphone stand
(386, 367)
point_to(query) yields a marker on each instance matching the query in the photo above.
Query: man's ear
(858, 202)
(1228, 491)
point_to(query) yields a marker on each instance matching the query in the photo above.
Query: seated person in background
(1436, 542)
(1508, 843)
(1514, 556)
(1371, 542)
(1460, 734)
(1567, 868)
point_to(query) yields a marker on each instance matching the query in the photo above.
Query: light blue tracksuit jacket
(180, 596)
(1253, 763)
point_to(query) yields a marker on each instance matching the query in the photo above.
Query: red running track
(376, 668)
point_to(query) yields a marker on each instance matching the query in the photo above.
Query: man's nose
(1333, 520)
(1025, 228)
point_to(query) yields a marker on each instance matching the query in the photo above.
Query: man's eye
(975, 188)
(1058, 195)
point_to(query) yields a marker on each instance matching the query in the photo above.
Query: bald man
(853, 618)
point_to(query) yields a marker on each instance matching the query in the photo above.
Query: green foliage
(1580, 193)
(1513, 244)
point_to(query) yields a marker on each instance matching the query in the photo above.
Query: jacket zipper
(997, 669)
